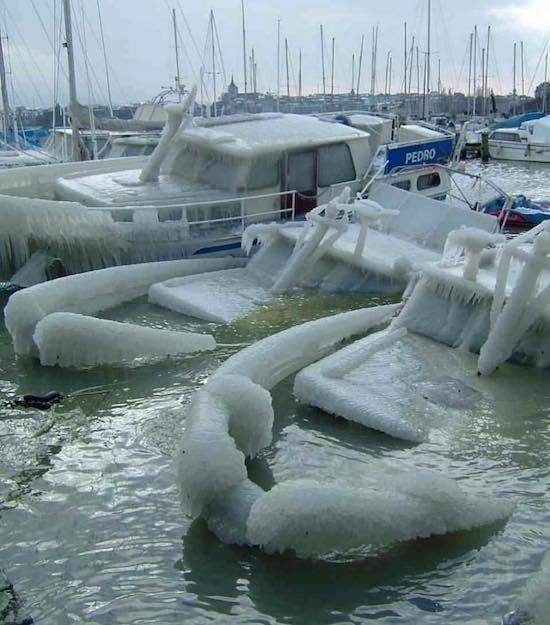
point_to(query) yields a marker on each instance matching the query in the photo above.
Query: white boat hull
(511, 151)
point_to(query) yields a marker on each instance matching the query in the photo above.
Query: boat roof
(250, 135)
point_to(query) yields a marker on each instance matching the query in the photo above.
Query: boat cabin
(251, 166)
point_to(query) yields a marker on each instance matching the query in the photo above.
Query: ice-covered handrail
(367, 212)
(94, 291)
(473, 241)
(71, 340)
(511, 318)
(231, 418)
(179, 117)
(308, 251)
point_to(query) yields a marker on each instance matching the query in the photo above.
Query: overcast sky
(140, 46)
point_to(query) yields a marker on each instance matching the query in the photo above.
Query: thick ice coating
(72, 340)
(313, 518)
(536, 598)
(398, 383)
(94, 291)
(231, 417)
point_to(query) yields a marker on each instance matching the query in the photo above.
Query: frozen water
(71, 340)
(401, 384)
(222, 296)
(92, 292)
(314, 518)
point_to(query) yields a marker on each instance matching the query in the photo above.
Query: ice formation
(72, 340)
(94, 291)
(315, 518)
(231, 418)
(399, 383)
(221, 297)
(58, 226)
(534, 603)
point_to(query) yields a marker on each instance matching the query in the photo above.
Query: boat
(529, 142)
(203, 184)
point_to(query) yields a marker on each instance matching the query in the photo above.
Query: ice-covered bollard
(473, 242)
(367, 212)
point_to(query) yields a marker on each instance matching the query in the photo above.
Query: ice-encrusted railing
(513, 315)
(324, 225)
(231, 418)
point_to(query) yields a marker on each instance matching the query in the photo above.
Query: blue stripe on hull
(217, 248)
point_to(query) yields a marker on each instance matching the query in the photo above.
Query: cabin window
(264, 173)
(428, 181)
(506, 136)
(402, 184)
(335, 165)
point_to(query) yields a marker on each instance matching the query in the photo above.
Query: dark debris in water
(11, 612)
(425, 604)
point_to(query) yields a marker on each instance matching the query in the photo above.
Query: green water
(91, 528)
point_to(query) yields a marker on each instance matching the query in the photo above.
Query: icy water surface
(90, 523)
(91, 528)
(529, 179)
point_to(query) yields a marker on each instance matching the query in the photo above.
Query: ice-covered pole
(179, 117)
(523, 308)
(367, 212)
(308, 251)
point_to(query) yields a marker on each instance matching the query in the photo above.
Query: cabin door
(300, 175)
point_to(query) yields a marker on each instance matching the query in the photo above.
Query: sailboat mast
(5, 100)
(411, 66)
(332, 77)
(427, 95)
(487, 67)
(522, 81)
(474, 79)
(323, 61)
(244, 48)
(405, 63)
(214, 95)
(360, 64)
(352, 73)
(75, 135)
(287, 74)
(104, 61)
(300, 73)
(278, 65)
(514, 90)
(470, 70)
(175, 27)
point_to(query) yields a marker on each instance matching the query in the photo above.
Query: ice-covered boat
(203, 184)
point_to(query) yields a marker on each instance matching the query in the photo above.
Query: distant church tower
(232, 90)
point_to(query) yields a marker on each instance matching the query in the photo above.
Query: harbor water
(91, 527)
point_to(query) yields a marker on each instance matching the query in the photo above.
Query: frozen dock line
(72, 340)
(231, 418)
(92, 292)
